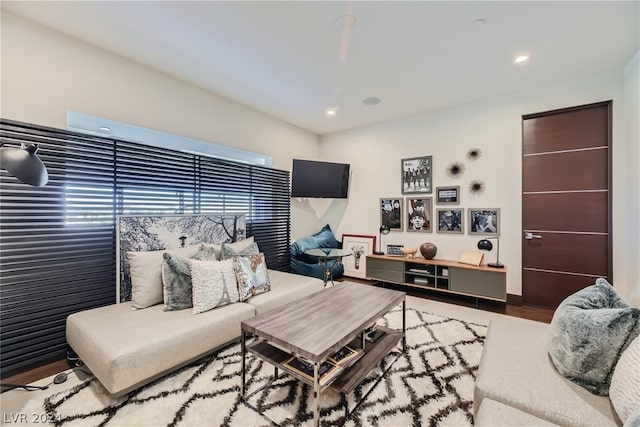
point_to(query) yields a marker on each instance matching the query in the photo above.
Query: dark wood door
(566, 202)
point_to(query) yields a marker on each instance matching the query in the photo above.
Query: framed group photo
(419, 214)
(485, 221)
(360, 246)
(391, 213)
(448, 195)
(450, 221)
(416, 175)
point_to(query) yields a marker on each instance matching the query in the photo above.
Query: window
(58, 241)
(86, 206)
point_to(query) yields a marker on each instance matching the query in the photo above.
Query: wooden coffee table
(316, 326)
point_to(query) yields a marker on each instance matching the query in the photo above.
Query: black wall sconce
(24, 164)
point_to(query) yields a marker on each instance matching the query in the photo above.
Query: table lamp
(486, 245)
(383, 230)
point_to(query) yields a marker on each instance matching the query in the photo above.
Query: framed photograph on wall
(360, 246)
(419, 214)
(484, 221)
(416, 175)
(391, 213)
(450, 221)
(448, 195)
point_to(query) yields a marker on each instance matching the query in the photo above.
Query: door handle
(530, 236)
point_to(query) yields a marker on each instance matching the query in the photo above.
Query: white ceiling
(289, 59)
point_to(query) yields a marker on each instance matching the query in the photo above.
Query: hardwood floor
(538, 314)
(525, 312)
(36, 374)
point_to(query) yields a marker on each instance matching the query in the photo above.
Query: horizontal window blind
(57, 242)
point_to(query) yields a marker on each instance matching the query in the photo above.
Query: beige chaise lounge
(157, 342)
(517, 384)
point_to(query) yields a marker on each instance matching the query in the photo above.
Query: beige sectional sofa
(518, 385)
(127, 348)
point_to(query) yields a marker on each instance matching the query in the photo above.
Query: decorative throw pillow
(322, 239)
(145, 269)
(589, 331)
(214, 284)
(251, 274)
(216, 248)
(241, 247)
(176, 278)
(625, 382)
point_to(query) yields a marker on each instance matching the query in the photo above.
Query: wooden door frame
(609, 105)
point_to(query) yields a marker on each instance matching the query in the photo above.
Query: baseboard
(514, 299)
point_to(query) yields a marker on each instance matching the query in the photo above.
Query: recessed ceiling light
(104, 129)
(372, 100)
(521, 58)
(331, 111)
(345, 22)
(478, 22)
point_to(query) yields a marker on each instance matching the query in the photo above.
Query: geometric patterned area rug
(431, 384)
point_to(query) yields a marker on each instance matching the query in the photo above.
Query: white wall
(629, 278)
(45, 74)
(494, 126)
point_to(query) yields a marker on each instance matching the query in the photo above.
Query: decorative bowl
(428, 250)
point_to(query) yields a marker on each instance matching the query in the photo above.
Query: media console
(440, 275)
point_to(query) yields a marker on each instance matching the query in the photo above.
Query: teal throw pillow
(322, 239)
(589, 331)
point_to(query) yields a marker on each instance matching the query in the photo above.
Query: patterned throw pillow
(214, 284)
(241, 247)
(176, 278)
(251, 274)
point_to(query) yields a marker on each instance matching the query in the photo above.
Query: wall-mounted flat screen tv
(315, 179)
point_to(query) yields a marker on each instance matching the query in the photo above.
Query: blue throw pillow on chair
(322, 239)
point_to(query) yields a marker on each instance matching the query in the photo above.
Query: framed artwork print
(419, 214)
(448, 195)
(485, 221)
(416, 175)
(391, 213)
(450, 221)
(360, 246)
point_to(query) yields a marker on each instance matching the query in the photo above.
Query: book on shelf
(345, 355)
(420, 271)
(421, 281)
(374, 335)
(326, 371)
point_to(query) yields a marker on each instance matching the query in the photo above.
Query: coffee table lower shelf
(351, 375)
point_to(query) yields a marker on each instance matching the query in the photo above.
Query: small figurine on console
(409, 252)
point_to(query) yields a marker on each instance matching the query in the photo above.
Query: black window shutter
(57, 242)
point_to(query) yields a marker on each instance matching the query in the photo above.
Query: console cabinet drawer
(385, 270)
(480, 283)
